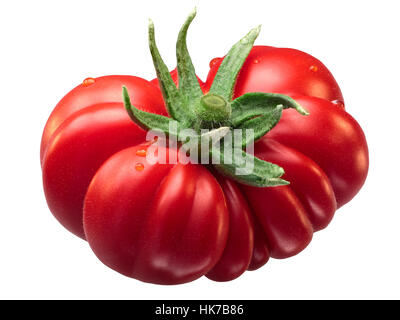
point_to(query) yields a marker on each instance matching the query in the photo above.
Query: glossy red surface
(173, 223)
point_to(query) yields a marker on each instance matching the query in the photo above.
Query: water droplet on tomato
(139, 167)
(314, 68)
(256, 61)
(214, 61)
(141, 153)
(339, 103)
(88, 82)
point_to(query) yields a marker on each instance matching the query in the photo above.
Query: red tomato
(173, 223)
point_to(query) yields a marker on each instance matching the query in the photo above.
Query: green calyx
(190, 109)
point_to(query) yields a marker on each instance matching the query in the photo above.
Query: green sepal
(172, 97)
(260, 112)
(263, 174)
(260, 125)
(254, 104)
(147, 120)
(189, 86)
(225, 79)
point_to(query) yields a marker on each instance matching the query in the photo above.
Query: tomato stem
(213, 110)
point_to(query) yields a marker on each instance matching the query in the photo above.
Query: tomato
(173, 223)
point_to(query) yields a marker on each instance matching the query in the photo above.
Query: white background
(48, 47)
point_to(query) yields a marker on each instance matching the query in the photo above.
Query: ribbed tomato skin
(173, 223)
